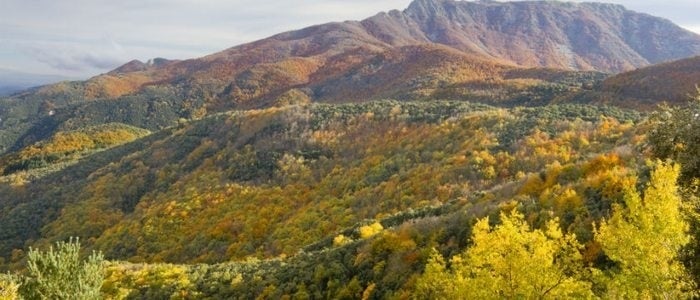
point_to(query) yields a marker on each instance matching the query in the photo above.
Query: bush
(60, 274)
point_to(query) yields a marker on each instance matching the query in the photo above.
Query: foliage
(61, 274)
(675, 134)
(69, 146)
(278, 199)
(368, 231)
(644, 239)
(317, 169)
(9, 287)
(510, 261)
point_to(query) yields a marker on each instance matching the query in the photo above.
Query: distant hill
(673, 83)
(14, 81)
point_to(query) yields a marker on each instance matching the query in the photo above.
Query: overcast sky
(81, 38)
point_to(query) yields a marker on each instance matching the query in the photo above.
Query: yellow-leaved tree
(644, 238)
(509, 261)
(8, 287)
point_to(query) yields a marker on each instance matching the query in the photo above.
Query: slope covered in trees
(297, 166)
(405, 73)
(327, 199)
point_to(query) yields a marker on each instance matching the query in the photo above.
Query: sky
(82, 38)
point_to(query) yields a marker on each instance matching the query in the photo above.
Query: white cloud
(76, 57)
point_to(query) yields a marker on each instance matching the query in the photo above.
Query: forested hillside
(430, 153)
(349, 189)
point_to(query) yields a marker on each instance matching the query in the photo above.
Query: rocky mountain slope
(580, 36)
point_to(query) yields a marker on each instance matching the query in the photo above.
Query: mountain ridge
(452, 50)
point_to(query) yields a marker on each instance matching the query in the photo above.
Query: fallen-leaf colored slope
(674, 83)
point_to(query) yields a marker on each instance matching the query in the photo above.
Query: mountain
(469, 51)
(563, 35)
(579, 36)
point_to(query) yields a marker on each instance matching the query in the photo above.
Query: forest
(376, 200)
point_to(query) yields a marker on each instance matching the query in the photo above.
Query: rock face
(581, 36)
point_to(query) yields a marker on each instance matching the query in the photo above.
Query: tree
(61, 274)
(675, 135)
(644, 239)
(510, 261)
(8, 287)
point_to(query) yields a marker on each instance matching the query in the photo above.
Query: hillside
(674, 83)
(269, 183)
(344, 154)
(405, 73)
(451, 50)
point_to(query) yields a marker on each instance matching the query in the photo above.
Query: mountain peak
(569, 35)
(427, 7)
(137, 65)
(132, 66)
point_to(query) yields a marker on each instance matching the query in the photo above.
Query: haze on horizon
(82, 38)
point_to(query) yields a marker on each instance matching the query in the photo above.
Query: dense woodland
(378, 200)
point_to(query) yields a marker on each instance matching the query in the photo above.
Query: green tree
(510, 261)
(675, 135)
(61, 274)
(644, 239)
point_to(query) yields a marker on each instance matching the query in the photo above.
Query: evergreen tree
(675, 135)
